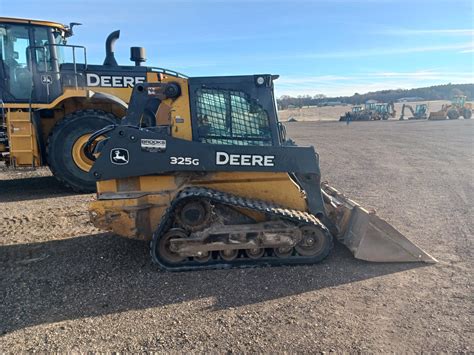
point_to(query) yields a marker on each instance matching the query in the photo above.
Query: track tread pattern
(295, 216)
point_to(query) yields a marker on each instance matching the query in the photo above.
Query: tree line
(437, 92)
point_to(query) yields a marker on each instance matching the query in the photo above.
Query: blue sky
(333, 47)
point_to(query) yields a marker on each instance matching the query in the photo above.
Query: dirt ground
(66, 286)
(331, 113)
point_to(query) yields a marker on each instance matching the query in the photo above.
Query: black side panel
(131, 151)
(145, 152)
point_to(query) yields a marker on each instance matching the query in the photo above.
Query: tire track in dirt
(51, 223)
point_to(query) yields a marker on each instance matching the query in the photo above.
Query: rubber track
(295, 216)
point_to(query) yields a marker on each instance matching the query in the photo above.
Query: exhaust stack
(110, 49)
(137, 55)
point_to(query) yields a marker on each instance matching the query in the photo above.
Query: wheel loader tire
(65, 158)
(453, 114)
(467, 114)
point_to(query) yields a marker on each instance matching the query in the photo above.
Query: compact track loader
(213, 182)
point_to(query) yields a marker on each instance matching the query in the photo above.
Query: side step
(366, 235)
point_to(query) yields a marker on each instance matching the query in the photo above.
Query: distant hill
(437, 92)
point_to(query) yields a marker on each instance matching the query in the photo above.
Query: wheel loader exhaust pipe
(110, 49)
(366, 235)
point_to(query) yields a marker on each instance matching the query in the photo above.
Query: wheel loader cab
(30, 56)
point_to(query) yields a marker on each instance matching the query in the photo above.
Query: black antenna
(71, 26)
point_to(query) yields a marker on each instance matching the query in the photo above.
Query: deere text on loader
(52, 99)
(216, 184)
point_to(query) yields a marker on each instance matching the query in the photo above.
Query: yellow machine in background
(458, 107)
(52, 99)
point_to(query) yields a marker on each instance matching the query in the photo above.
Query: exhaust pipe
(109, 49)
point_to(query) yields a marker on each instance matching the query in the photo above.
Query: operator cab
(30, 55)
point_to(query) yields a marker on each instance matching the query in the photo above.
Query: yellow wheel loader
(213, 182)
(52, 99)
(458, 107)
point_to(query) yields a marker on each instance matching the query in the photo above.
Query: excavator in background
(419, 113)
(458, 107)
(215, 183)
(52, 99)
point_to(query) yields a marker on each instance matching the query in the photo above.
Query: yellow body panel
(181, 112)
(33, 22)
(22, 137)
(68, 94)
(122, 93)
(134, 207)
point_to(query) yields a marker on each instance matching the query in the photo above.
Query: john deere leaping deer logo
(119, 156)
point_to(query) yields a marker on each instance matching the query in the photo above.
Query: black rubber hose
(87, 147)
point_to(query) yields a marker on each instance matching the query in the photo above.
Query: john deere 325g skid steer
(211, 179)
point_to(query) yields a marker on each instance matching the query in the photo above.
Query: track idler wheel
(283, 252)
(204, 258)
(229, 254)
(255, 253)
(165, 249)
(315, 243)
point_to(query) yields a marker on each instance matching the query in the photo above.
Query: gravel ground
(66, 286)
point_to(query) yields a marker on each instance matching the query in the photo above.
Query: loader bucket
(437, 115)
(366, 235)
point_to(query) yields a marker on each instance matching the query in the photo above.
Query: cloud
(465, 47)
(381, 51)
(337, 85)
(409, 32)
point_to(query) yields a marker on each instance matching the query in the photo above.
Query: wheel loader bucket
(366, 235)
(437, 115)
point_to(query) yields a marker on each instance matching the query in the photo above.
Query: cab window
(231, 117)
(15, 46)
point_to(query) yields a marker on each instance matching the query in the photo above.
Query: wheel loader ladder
(22, 139)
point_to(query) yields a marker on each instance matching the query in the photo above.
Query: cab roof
(33, 22)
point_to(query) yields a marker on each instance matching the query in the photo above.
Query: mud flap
(366, 235)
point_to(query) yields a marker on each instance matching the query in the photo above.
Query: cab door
(17, 77)
(29, 68)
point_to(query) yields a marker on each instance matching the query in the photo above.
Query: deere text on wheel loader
(213, 182)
